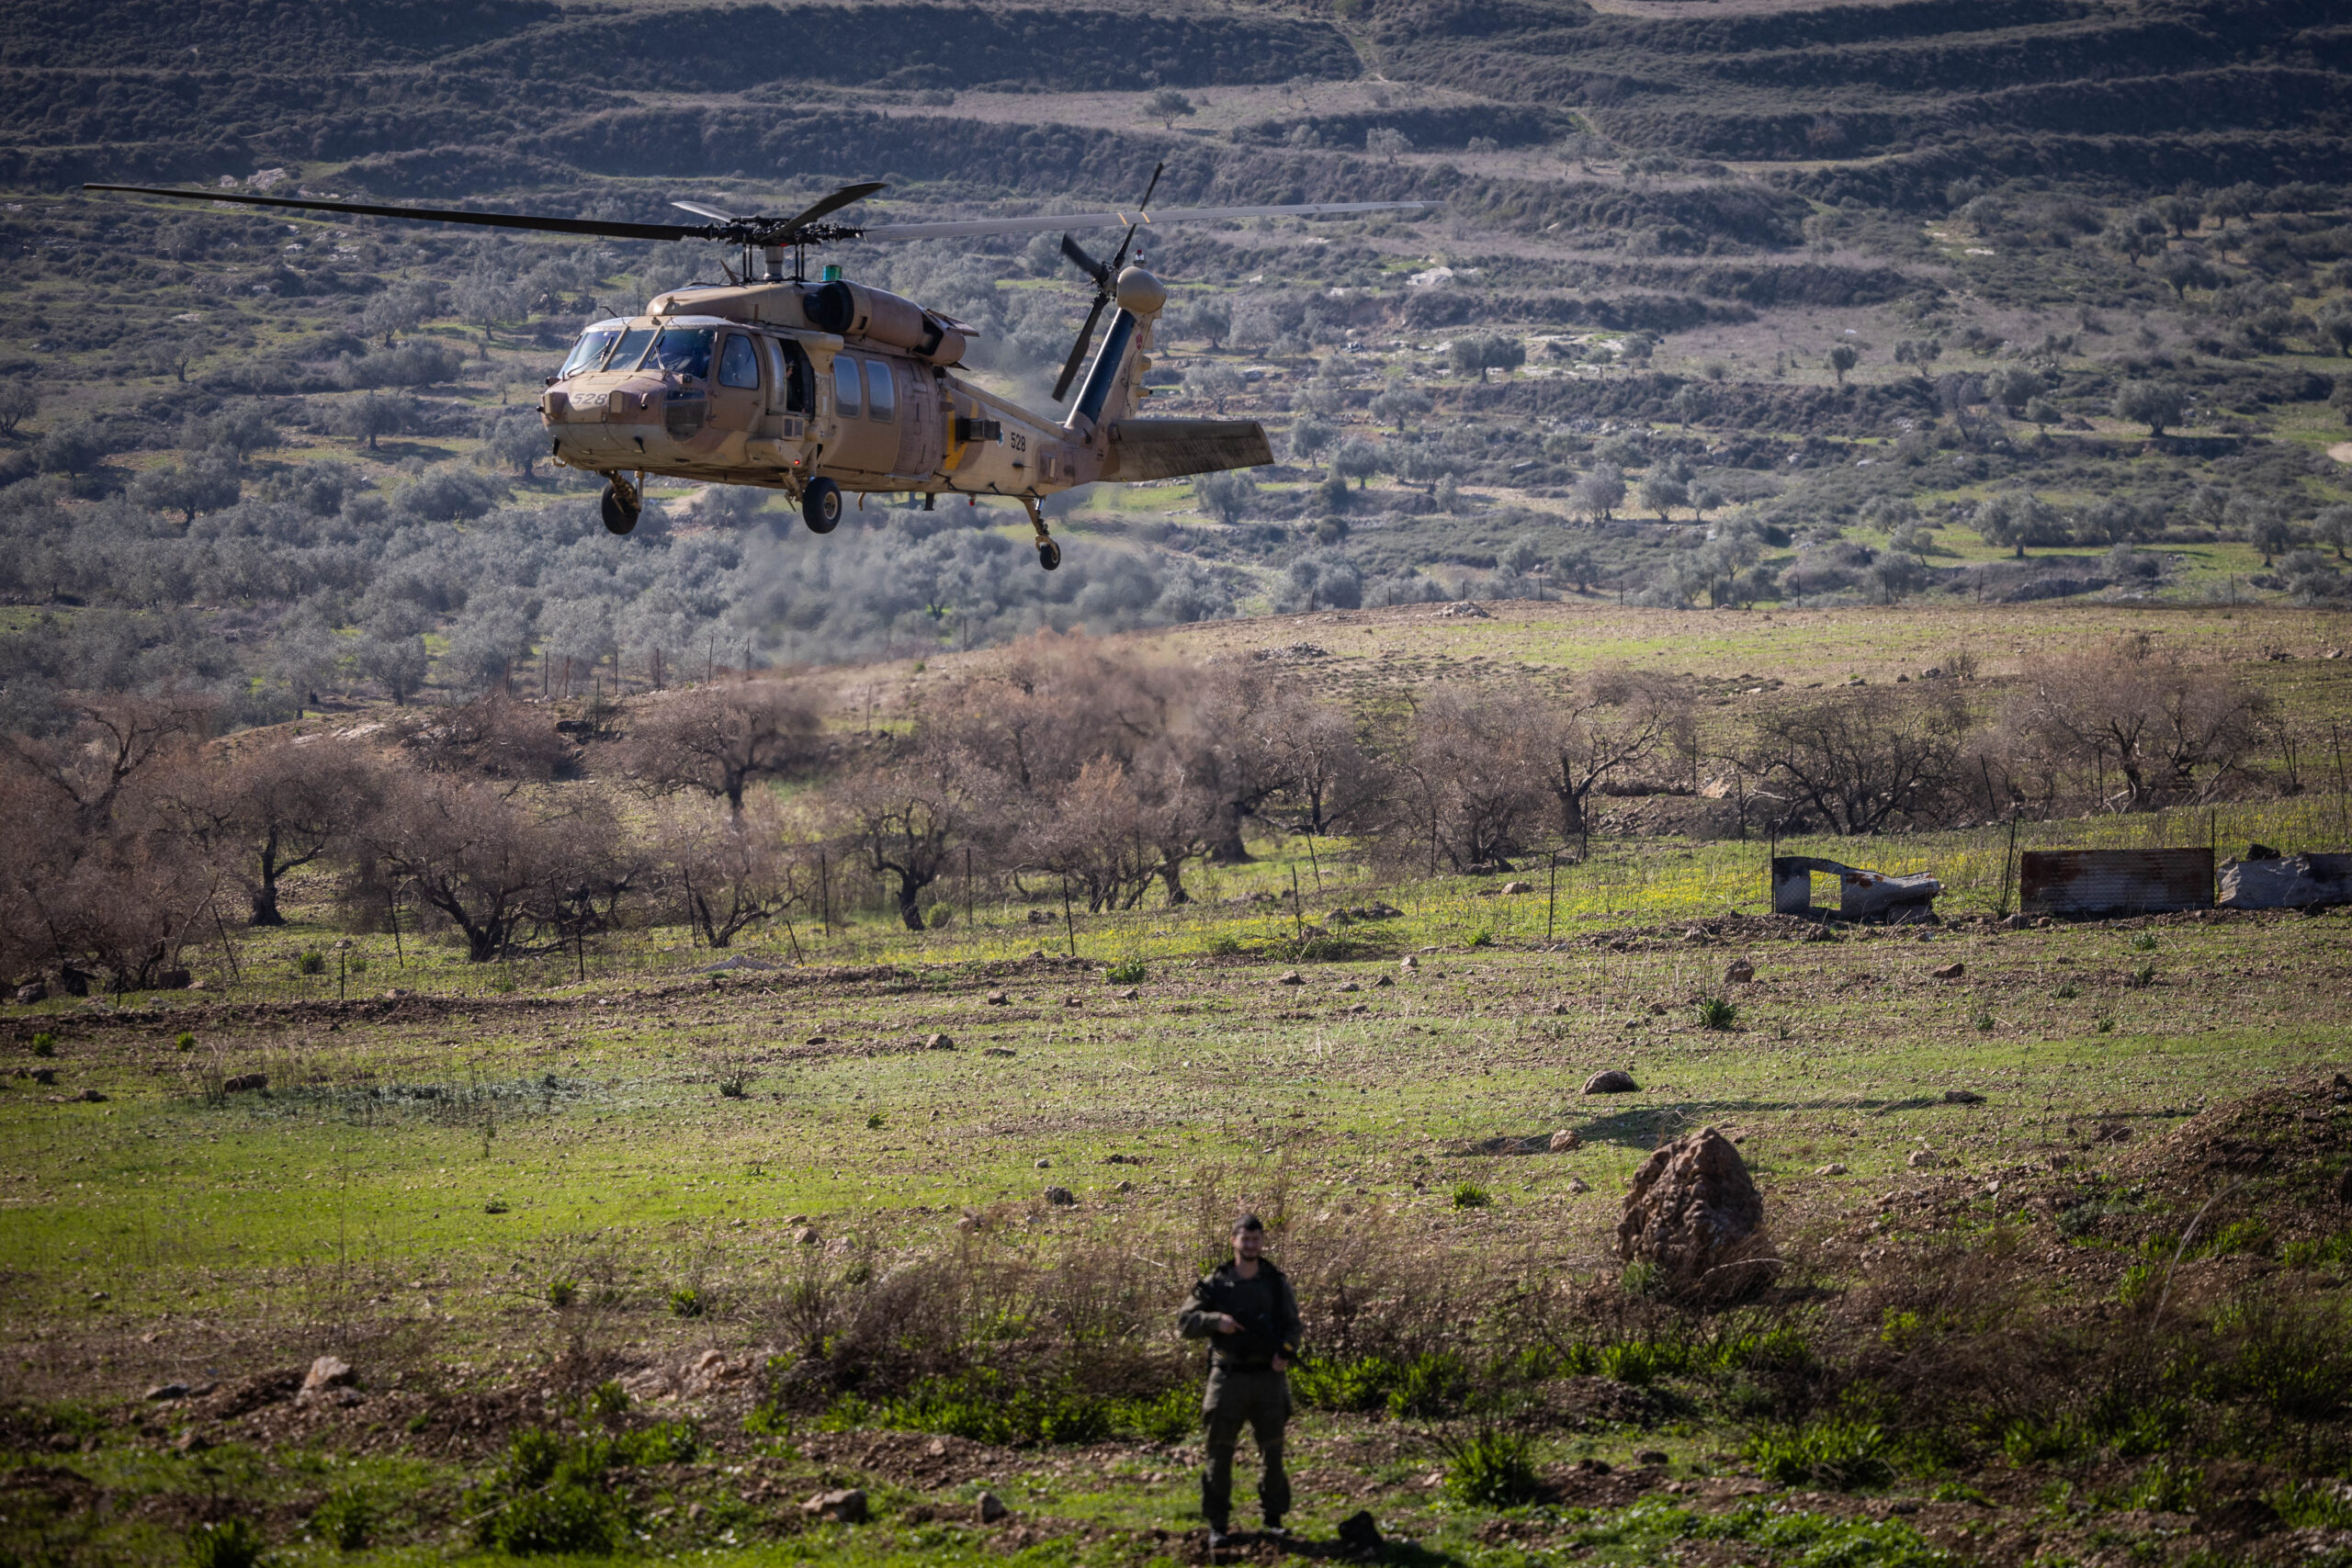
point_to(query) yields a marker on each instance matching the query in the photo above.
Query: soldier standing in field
(1245, 1309)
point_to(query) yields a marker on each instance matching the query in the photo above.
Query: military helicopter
(831, 386)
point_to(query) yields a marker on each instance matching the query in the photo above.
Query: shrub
(44, 1044)
(1839, 1451)
(1715, 1012)
(2067, 992)
(687, 1302)
(1492, 1468)
(1469, 1195)
(233, 1544)
(1127, 972)
(873, 1123)
(563, 1293)
(345, 1520)
(2140, 978)
(985, 1406)
(1482, 937)
(183, 1041)
(2144, 942)
(569, 1517)
(1225, 945)
(311, 962)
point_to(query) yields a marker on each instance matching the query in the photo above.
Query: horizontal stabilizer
(1171, 449)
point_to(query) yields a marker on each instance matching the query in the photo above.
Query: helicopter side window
(588, 351)
(881, 398)
(845, 395)
(684, 351)
(738, 363)
(630, 349)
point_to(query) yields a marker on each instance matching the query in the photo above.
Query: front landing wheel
(621, 511)
(1049, 554)
(820, 506)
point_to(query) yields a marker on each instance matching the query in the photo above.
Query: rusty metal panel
(2116, 882)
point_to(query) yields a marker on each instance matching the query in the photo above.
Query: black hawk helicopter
(822, 387)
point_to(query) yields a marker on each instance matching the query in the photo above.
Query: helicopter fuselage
(783, 384)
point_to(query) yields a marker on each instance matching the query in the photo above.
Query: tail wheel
(820, 506)
(621, 512)
(1049, 554)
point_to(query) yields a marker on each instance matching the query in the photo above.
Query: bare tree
(269, 810)
(1469, 795)
(721, 739)
(2168, 733)
(906, 817)
(1602, 728)
(496, 867)
(732, 871)
(1859, 762)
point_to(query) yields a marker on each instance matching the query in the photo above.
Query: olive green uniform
(1244, 1389)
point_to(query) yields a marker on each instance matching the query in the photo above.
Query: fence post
(1552, 901)
(1068, 923)
(2009, 859)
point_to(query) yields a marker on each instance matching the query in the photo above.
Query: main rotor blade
(1084, 263)
(1077, 350)
(591, 226)
(699, 211)
(1157, 170)
(834, 203)
(956, 228)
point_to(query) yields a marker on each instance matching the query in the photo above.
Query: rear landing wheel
(1049, 554)
(621, 509)
(820, 506)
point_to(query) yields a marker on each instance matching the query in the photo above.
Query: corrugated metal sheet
(2116, 882)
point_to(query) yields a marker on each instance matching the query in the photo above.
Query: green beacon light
(832, 272)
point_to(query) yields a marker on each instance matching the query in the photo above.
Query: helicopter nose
(1140, 294)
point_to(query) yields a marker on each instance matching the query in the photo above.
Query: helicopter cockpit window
(589, 352)
(630, 349)
(738, 363)
(845, 395)
(685, 351)
(881, 398)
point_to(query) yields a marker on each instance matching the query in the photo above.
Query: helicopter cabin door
(735, 395)
(919, 429)
(866, 415)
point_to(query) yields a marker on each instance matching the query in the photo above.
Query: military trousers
(1259, 1400)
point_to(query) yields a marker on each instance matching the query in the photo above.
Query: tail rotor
(1106, 277)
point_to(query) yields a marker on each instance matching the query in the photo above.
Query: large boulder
(1695, 1218)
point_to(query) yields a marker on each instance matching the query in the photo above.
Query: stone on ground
(1694, 1214)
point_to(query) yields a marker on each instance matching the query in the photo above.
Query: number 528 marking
(1017, 441)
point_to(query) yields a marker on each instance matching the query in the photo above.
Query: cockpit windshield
(682, 350)
(589, 352)
(632, 345)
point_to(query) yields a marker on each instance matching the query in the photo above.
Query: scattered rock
(2060, 1161)
(1924, 1159)
(993, 1508)
(845, 1508)
(1739, 972)
(1061, 1198)
(1651, 1456)
(1579, 1185)
(1519, 887)
(327, 1375)
(44, 1075)
(1563, 1140)
(1615, 1080)
(167, 1391)
(807, 1237)
(997, 999)
(1383, 980)
(998, 1051)
(28, 994)
(1832, 1168)
(1409, 963)
(1351, 985)
(938, 1043)
(1045, 1162)
(1073, 1001)
(1962, 1096)
(1291, 977)
(2016, 922)
(1130, 994)
(1951, 971)
(1695, 1213)
(1124, 1187)
(244, 1082)
(1360, 1533)
(192, 1442)
(1657, 1009)
(90, 1097)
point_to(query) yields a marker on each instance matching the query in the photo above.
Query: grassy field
(503, 1189)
